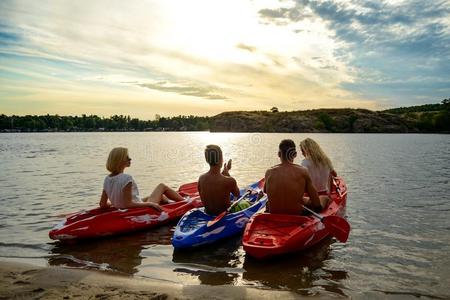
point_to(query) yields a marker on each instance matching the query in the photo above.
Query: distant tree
(135, 124)
(418, 108)
(351, 121)
(327, 121)
(274, 109)
(446, 104)
(4, 122)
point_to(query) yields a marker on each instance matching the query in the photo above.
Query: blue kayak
(192, 229)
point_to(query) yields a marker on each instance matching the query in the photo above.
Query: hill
(424, 118)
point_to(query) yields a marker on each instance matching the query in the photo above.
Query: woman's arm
(314, 199)
(331, 179)
(104, 200)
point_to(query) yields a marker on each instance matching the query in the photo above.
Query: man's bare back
(215, 186)
(215, 189)
(286, 184)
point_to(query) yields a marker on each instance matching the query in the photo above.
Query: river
(398, 206)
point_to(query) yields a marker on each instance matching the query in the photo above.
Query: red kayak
(100, 222)
(268, 234)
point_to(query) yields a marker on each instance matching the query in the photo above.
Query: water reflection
(300, 271)
(226, 263)
(215, 264)
(121, 253)
(221, 263)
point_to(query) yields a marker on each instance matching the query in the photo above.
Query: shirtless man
(287, 182)
(215, 186)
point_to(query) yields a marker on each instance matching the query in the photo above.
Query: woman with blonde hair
(121, 189)
(318, 164)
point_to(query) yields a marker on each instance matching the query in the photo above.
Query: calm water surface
(398, 206)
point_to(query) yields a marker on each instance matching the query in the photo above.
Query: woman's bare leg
(172, 194)
(162, 190)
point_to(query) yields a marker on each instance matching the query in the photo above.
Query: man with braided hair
(287, 182)
(215, 185)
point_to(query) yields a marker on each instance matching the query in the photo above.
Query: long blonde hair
(313, 151)
(115, 158)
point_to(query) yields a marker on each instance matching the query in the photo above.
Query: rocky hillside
(320, 120)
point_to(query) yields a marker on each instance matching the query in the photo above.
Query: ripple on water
(22, 250)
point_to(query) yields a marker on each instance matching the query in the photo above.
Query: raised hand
(229, 165)
(226, 168)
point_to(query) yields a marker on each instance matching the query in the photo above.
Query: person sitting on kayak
(286, 183)
(121, 189)
(319, 167)
(215, 186)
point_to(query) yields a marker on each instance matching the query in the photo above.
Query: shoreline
(24, 281)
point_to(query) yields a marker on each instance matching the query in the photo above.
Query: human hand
(226, 168)
(229, 165)
(155, 206)
(105, 205)
(306, 201)
(260, 195)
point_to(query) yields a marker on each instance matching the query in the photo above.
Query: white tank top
(113, 186)
(319, 175)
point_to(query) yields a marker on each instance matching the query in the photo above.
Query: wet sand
(22, 281)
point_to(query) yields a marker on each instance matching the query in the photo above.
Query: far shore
(428, 118)
(173, 131)
(22, 281)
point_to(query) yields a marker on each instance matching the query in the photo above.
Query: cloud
(7, 37)
(331, 53)
(283, 15)
(184, 89)
(384, 42)
(246, 47)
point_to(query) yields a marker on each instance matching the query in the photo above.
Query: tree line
(84, 122)
(444, 105)
(426, 118)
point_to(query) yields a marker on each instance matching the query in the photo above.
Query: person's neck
(117, 173)
(214, 169)
(287, 162)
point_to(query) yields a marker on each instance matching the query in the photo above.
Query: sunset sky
(166, 57)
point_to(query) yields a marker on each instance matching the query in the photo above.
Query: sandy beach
(22, 281)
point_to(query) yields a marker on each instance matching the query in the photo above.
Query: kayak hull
(268, 235)
(192, 229)
(100, 222)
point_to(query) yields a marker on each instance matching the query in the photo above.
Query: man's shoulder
(300, 169)
(290, 166)
(273, 168)
(203, 176)
(229, 179)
